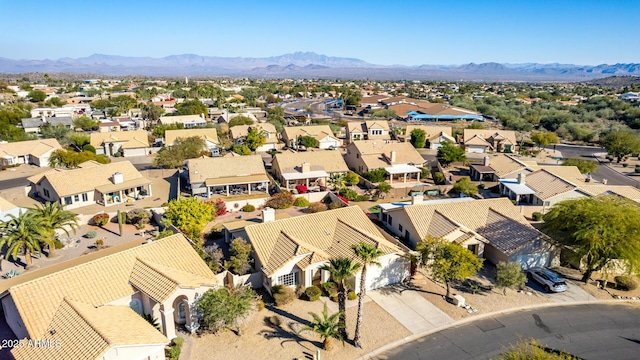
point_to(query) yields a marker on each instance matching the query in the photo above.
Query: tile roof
(90, 176)
(100, 281)
(210, 134)
(240, 131)
(496, 220)
(547, 185)
(628, 192)
(430, 131)
(509, 135)
(85, 332)
(203, 169)
(330, 161)
(319, 236)
(31, 147)
(504, 164)
(377, 124)
(130, 139)
(56, 120)
(569, 173)
(477, 140)
(318, 132)
(377, 153)
(181, 119)
(6, 205)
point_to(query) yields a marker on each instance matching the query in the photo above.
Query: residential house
(485, 140)
(127, 143)
(500, 166)
(435, 135)
(624, 191)
(107, 125)
(90, 307)
(52, 112)
(36, 152)
(226, 176)
(209, 135)
(491, 228)
(322, 133)
(540, 188)
(368, 130)
(92, 183)
(311, 168)
(291, 251)
(239, 132)
(188, 121)
(35, 125)
(400, 160)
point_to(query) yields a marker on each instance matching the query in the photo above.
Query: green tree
(384, 187)
(54, 101)
(351, 178)
(448, 153)
(509, 275)
(367, 254)
(58, 132)
(223, 308)
(190, 215)
(86, 123)
(376, 175)
(37, 96)
(239, 262)
(621, 144)
(192, 107)
(168, 158)
(418, 138)
(543, 139)
(152, 112)
(308, 141)
(78, 141)
(122, 103)
(598, 229)
(585, 166)
(255, 138)
(71, 159)
(465, 186)
(54, 218)
(240, 120)
(327, 326)
(384, 114)
(341, 270)
(241, 150)
(24, 233)
(190, 147)
(448, 261)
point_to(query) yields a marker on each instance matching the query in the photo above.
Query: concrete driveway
(574, 293)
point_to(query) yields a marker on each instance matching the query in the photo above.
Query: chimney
(417, 198)
(268, 215)
(118, 178)
(521, 178)
(306, 167)
(486, 161)
(392, 156)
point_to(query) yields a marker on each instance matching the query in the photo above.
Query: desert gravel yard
(261, 339)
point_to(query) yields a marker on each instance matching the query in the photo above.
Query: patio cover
(123, 185)
(234, 180)
(402, 169)
(305, 175)
(516, 188)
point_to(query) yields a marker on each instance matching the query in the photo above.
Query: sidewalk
(410, 309)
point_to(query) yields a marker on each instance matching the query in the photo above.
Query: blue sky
(380, 32)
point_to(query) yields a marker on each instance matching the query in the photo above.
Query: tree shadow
(472, 286)
(399, 288)
(288, 332)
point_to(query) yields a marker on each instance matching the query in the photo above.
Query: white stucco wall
(394, 268)
(139, 352)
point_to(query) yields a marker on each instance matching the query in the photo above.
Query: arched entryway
(181, 310)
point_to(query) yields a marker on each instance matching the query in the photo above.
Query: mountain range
(312, 65)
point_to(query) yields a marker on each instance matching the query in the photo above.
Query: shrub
(438, 178)
(626, 282)
(179, 341)
(536, 216)
(101, 219)
(424, 173)
(329, 287)
(281, 200)
(138, 216)
(174, 352)
(333, 297)
(350, 194)
(481, 186)
(514, 202)
(375, 175)
(220, 206)
(316, 207)
(239, 261)
(10, 274)
(301, 202)
(352, 295)
(313, 293)
(336, 205)
(362, 198)
(89, 148)
(58, 244)
(625, 165)
(302, 189)
(637, 170)
(99, 243)
(282, 294)
(260, 305)
(248, 208)
(91, 234)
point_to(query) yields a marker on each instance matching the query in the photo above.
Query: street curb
(414, 337)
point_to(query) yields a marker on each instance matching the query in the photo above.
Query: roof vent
(118, 178)
(326, 232)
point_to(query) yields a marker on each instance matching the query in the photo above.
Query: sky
(380, 32)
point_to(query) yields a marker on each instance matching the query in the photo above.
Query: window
(390, 220)
(67, 200)
(182, 312)
(85, 197)
(76, 198)
(357, 156)
(136, 305)
(400, 228)
(45, 192)
(290, 279)
(473, 248)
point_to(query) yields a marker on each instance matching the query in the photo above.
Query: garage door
(533, 260)
(475, 149)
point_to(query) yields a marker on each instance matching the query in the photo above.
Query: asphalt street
(593, 331)
(603, 172)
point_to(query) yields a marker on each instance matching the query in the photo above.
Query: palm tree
(24, 232)
(54, 217)
(327, 326)
(367, 254)
(341, 270)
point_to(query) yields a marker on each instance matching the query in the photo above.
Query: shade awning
(235, 180)
(483, 169)
(305, 175)
(402, 169)
(517, 188)
(123, 185)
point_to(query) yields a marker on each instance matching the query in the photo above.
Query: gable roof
(226, 168)
(430, 131)
(89, 176)
(314, 237)
(496, 220)
(6, 205)
(210, 134)
(53, 121)
(628, 192)
(486, 134)
(377, 153)
(377, 124)
(317, 132)
(240, 131)
(569, 173)
(130, 139)
(181, 119)
(31, 147)
(547, 185)
(328, 160)
(505, 164)
(86, 332)
(100, 281)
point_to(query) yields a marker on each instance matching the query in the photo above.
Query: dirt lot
(261, 340)
(594, 288)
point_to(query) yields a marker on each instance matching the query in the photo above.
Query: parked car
(551, 281)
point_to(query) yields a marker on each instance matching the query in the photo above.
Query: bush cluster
(248, 208)
(316, 207)
(351, 195)
(536, 216)
(352, 295)
(282, 294)
(313, 293)
(101, 219)
(91, 234)
(302, 189)
(626, 282)
(281, 200)
(301, 202)
(336, 205)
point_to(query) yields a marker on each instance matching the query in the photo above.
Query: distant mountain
(310, 64)
(616, 81)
